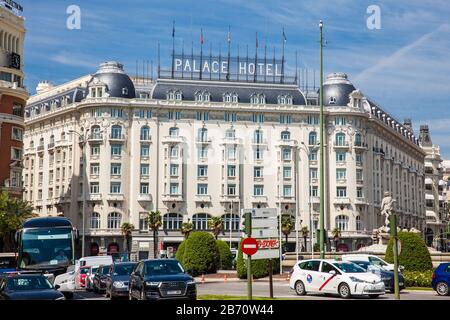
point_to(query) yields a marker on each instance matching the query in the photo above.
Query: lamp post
(82, 143)
(322, 173)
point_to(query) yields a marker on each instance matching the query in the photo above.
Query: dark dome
(336, 90)
(118, 83)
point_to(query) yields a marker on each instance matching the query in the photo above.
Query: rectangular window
(259, 154)
(286, 154)
(94, 188)
(340, 156)
(116, 150)
(359, 192)
(257, 172)
(145, 150)
(230, 117)
(114, 187)
(202, 171)
(202, 188)
(143, 221)
(174, 170)
(314, 191)
(203, 152)
(95, 169)
(16, 154)
(313, 173)
(145, 169)
(231, 153)
(313, 156)
(231, 190)
(144, 188)
(312, 120)
(95, 150)
(116, 113)
(202, 116)
(287, 172)
(174, 152)
(231, 171)
(341, 174)
(258, 190)
(287, 191)
(359, 157)
(174, 188)
(285, 119)
(116, 169)
(341, 192)
(177, 115)
(17, 134)
(340, 121)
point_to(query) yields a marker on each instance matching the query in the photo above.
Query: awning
(428, 181)
(429, 197)
(428, 164)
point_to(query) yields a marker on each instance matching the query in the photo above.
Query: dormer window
(235, 98)
(179, 96)
(258, 99)
(202, 96)
(227, 97)
(332, 100)
(96, 92)
(170, 95)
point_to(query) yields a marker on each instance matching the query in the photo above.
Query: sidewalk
(232, 277)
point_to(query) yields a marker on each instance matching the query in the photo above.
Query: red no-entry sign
(249, 246)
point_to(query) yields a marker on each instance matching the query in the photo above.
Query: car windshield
(29, 283)
(46, 247)
(84, 270)
(105, 270)
(94, 270)
(158, 267)
(349, 267)
(123, 269)
(363, 264)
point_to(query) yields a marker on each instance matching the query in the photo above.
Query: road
(281, 290)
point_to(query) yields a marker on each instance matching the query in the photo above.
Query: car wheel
(344, 291)
(442, 288)
(373, 296)
(68, 295)
(143, 296)
(300, 288)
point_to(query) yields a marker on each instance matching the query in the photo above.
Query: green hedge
(226, 258)
(260, 268)
(180, 252)
(418, 278)
(201, 254)
(414, 255)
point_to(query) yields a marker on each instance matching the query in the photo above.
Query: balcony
(30, 150)
(202, 198)
(62, 143)
(38, 203)
(315, 199)
(360, 145)
(95, 137)
(341, 145)
(286, 199)
(115, 197)
(145, 138)
(259, 199)
(51, 146)
(95, 197)
(203, 140)
(103, 232)
(230, 140)
(259, 142)
(117, 137)
(172, 139)
(287, 143)
(40, 148)
(361, 201)
(229, 198)
(144, 197)
(172, 198)
(341, 200)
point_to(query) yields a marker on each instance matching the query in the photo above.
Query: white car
(344, 278)
(66, 282)
(372, 259)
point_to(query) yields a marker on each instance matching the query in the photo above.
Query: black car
(99, 280)
(159, 279)
(118, 278)
(27, 287)
(385, 275)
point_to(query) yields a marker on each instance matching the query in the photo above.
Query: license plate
(174, 292)
(400, 283)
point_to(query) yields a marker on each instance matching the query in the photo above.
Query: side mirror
(57, 286)
(402, 268)
(332, 272)
(16, 238)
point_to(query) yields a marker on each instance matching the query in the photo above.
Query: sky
(403, 65)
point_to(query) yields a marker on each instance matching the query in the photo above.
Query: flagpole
(182, 59)
(192, 59)
(173, 49)
(274, 64)
(246, 67)
(210, 60)
(228, 69)
(201, 52)
(265, 60)
(282, 58)
(238, 63)
(159, 61)
(255, 73)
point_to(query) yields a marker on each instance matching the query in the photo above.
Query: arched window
(41, 142)
(226, 97)
(254, 98)
(285, 135)
(116, 131)
(342, 222)
(173, 132)
(235, 98)
(340, 139)
(281, 99)
(170, 95)
(172, 221)
(202, 134)
(230, 220)
(312, 140)
(95, 220)
(200, 221)
(52, 139)
(95, 132)
(63, 136)
(179, 96)
(145, 133)
(114, 220)
(358, 141)
(359, 226)
(289, 100)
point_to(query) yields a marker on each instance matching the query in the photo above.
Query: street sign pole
(393, 227)
(270, 279)
(249, 260)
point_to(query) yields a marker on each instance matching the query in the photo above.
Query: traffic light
(247, 223)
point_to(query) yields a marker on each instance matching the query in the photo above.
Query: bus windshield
(46, 247)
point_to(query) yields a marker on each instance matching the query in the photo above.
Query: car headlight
(354, 279)
(190, 282)
(61, 298)
(119, 284)
(152, 283)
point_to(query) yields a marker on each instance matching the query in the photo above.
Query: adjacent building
(194, 148)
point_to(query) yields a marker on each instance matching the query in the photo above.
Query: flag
(173, 30)
(284, 36)
(201, 37)
(257, 44)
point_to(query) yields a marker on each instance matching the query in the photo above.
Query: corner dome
(118, 83)
(336, 90)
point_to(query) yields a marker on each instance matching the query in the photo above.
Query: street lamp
(82, 142)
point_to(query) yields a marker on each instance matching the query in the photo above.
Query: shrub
(260, 268)
(226, 258)
(418, 278)
(201, 254)
(414, 255)
(180, 252)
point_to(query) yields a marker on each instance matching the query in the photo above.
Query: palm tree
(305, 232)
(216, 225)
(336, 233)
(186, 228)
(154, 222)
(127, 228)
(287, 225)
(13, 213)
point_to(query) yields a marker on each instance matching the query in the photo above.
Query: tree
(287, 225)
(13, 213)
(305, 232)
(216, 225)
(336, 233)
(154, 222)
(201, 254)
(186, 228)
(127, 228)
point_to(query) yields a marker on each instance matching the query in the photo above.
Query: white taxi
(344, 278)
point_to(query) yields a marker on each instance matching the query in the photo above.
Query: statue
(387, 206)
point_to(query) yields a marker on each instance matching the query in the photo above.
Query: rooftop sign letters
(12, 6)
